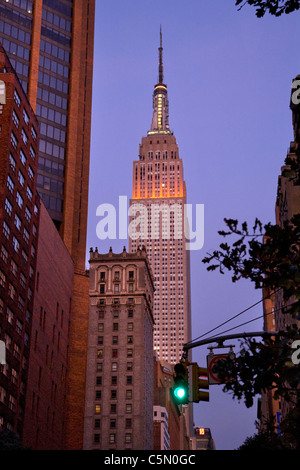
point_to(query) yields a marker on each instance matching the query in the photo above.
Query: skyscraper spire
(160, 120)
(161, 67)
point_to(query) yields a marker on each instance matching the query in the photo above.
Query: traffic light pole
(220, 339)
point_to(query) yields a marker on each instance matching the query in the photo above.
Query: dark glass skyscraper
(50, 45)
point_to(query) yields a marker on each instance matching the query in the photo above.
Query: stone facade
(119, 372)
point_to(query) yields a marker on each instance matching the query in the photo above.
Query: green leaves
(269, 256)
(274, 7)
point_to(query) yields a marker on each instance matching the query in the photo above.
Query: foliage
(274, 7)
(263, 441)
(269, 256)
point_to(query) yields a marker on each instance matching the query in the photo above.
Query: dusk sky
(229, 77)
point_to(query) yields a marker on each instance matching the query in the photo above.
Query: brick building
(19, 227)
(44, 419)
(119, 377)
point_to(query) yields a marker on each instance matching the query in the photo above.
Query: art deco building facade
(119, 378)
(158, 200)
(50, 45)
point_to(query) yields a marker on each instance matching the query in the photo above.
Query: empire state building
(157, 214)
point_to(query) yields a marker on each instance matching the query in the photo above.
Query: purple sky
(229, 77)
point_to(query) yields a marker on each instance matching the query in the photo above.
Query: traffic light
(200, 382)
(180, 390)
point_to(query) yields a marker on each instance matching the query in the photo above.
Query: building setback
(19, 227)
(119, 375)
(158, 199)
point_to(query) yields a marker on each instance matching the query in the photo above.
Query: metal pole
(221, 339)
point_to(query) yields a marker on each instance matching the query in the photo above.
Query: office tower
(202, 439)
(19, 227)
(119, 378)
(157, 206)
(50, 45)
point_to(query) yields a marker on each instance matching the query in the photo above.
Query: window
(115, 340)
(15, 119)
(131, 274)
(102, 288)
(22, 157)
(130, 326)
(33, 133)
(10, 184)
(18, 222)
(25, 117)
(128, 423)
(128, 438)
(99, 380)
(6, 230)
(129, 380)
(17, 98)
(97, 409)
(116, 288)
(26, 235)
(8, 207)
(128, 408)
(29, 193)
(97, 436)
(32, 152)
(101, 327)
(24, 137)
(4, 254)
(112, 438)
(21, 178)
(9, 316)
(113, 423)
(14, 267)
(16, 244)
(27, 214)
(115, 326)
(19, 200)
(114, 366)
(12, 162)
(100, 339)
(14, 140)
(129, 339)
(102, 276)
(30, 173)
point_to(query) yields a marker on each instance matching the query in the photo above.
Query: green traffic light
(179, 392)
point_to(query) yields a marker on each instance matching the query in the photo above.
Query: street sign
(212, 361)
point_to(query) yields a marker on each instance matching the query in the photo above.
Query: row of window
(16, 17)
(52, 202)
(59, 6)
(53, 66)
(51, 115)
(50, 184)
(112, 438)
(14, 48)
(15, 242)
(51, 167)
(52, 132)
(53, 82)
(55, 51)
(52, 98)
(56, 20)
